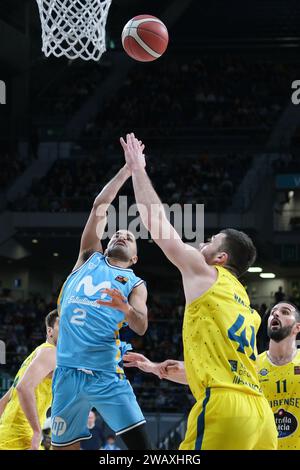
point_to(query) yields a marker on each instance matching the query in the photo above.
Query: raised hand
(134, 152)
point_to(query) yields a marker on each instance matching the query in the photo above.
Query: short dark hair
(51, 318)
(240, 249)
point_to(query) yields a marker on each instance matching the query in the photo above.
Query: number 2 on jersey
(79, 317)
(241, 338)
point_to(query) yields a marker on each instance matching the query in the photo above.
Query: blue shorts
(75, 392)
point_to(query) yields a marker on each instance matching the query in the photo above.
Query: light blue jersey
(89, 332)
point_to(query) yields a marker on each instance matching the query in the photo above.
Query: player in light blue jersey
(101, 294)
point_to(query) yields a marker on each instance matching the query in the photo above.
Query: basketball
(145, 38)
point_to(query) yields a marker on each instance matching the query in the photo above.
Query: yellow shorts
(228, 420)
(15, 439)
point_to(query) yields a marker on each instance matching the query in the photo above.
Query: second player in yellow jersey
(219, 335)
(23, 409)
(279, 374)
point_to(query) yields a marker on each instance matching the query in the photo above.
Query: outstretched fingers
(113, 293)
(132, 356)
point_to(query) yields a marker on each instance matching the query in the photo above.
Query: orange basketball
(145, 38)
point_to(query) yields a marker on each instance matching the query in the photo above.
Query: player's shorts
(75, 392)
(230, 420)
(15, 438)
(10, 441)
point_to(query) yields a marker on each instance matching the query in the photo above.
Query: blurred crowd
(22, 326)
(213, 92)
(207, 92)
(71, 88)
(71, 185)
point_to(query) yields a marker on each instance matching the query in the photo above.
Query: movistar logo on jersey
(90, 289)
(286, 423)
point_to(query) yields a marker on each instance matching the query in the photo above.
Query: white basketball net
(74, 28)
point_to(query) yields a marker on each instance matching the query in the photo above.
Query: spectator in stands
(279, 295)
(110, 443)
(262, 309)
(97, 439)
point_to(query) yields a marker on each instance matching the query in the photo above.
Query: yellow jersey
(281, 387)
(219, 337)
(15, 430)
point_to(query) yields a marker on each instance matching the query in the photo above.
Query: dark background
(220, 129)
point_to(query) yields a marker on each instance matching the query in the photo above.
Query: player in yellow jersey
(23, 408)
(279, 373)
(219, 331)
(278, 369)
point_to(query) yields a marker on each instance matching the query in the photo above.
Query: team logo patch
(263, 372)
(286, 423)
(59, 426)
(297, 370)
(122, 279)
(233, 365)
